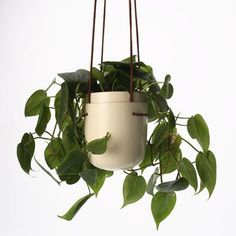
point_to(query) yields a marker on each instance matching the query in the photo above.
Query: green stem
(186, 141)
(43, 138)
(47, 172)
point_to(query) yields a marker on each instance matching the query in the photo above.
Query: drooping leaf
(171, 119)
(206, 167)
(61, 103)
(98, 146)
(69, 139)
(188, 171)
(167, 89)
(160, 102)
(25, 151)
(160, 133)
(198, 129)
(35, 102)
(148, 158)
(79, 76)
(89, 176)
(100, 180)
(168, 163)
(172, 186)
(134, 188)
(54, 153)
(75, 208)
(152, 182)
(73, 163)
(43, 119)
(162, 205)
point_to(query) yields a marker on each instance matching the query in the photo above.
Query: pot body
(112, 112)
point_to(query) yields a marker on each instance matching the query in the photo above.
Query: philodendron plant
(66, 152)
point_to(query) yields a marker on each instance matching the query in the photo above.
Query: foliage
(66, 153)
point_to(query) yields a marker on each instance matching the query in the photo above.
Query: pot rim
(116, 97)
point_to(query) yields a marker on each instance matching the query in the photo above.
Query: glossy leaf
(75, 208)
(160, 102)
(162, 205)
(147, 158)
(160, 133)
(168, 163)
(167, 88)
(79, 76)
(54, 153)
(172, 186)
(35, 102)
(171, 119)
(43, 119)
(152, 182)
(134, 188)
(198, 129)
(188, 171)
(73, 163)
(61, 103)
(89, 176)
(98, 146)
(25, 152)
(206, 167)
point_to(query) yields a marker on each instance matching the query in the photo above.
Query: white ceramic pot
(112, 112)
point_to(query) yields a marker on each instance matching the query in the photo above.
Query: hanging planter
(112, 113)
(100, 124)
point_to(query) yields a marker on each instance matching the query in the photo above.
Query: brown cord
(103, 30)
(103, 40)
(92, 51)
(131, 52)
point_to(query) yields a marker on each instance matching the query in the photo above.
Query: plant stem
(144, 167)
(49, 134)
(47, 172)
(186, 141)
(181, 125)
(43, 138)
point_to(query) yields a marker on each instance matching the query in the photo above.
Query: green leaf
(61, 103)
(75, 208)
(35, 102)
(160, 102)
(73, 163)
(206, 167)
(98, 146)
(44, 118)
(152, 182)
(177, 185)
(171, 119)
(54, 153)
(162, 205)
(147, 158)
(133, 189)
(198, 129)
(168, 163)
(160, 133)
(188, 171)
(167, 89)
(89, 176)
(101, 177)
(25, 151)
(79, 76)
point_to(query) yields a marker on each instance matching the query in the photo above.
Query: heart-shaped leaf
(134, 188)
(75, 208)
(25, 151)
(98, 146)
(35, 102)
(162, 205)
(172, 186)
(54, 153)
(89, 176)
(198, 129)
(167, 89)
(43, 119)
(206, 167)
(79, 76)
(188, 171)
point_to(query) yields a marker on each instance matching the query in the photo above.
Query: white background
(194, 41)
